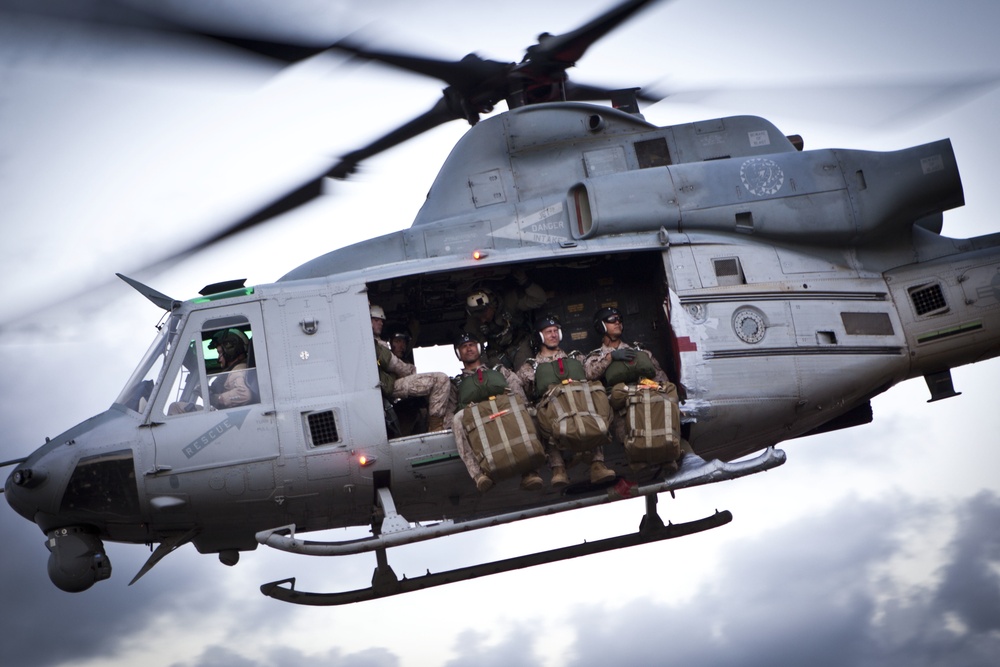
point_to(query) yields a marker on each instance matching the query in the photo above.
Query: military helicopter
(779, 283)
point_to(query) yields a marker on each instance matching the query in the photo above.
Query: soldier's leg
(557, 463)
(598, 471)
(483, 482)
(435, 387)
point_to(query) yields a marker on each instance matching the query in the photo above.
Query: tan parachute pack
(502, 436)
(652, 421)
(575, 416)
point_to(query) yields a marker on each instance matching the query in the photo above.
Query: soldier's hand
(623, 355)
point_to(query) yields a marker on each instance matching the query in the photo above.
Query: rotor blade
(281, 51)
(568, 48)
(863, 104)
(582, 92)
(298, 197)
(438, 114)
(469, 72)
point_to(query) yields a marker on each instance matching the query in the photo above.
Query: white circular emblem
(761, 176)
(749, 326)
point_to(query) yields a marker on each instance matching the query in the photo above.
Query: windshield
(139, 388)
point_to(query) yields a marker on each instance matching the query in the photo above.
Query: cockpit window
(137, 391)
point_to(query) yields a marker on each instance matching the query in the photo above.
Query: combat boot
(559, 477)
(530, 481)
(483, 483)
(600, 473)
(435, 424)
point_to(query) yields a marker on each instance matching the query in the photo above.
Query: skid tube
(397, 531)
(385, 583)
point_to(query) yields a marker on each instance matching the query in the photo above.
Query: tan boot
(530, 481)
(600, 473)
(435, 424)
(559, 477)
(483, 483)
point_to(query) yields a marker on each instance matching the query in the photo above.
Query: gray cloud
(219, 656)
(971, 585)
(516, 647)
(810, 594)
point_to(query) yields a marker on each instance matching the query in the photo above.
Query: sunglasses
(614, 319)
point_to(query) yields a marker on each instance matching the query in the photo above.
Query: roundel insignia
(761, 176)
(749, 326)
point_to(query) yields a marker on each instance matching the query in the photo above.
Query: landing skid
(395, 531)
(385, 583)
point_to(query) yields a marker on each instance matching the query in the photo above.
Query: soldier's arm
(596, 363)
(514, 383)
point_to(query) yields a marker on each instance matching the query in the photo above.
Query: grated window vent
(727, 267)
(928, 299)
(728, 271)
(322, 428)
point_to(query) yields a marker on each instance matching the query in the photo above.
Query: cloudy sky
(878, 545)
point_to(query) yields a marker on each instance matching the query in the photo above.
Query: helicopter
(737, 294)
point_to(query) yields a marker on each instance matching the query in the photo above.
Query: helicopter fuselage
(780, 289)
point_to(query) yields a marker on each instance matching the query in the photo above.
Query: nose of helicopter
(69, 478)
(28, 490)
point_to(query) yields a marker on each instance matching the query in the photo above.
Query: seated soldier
(549, 331)
(609, 325)
(468, 351)
(618, 363)
(401, 380)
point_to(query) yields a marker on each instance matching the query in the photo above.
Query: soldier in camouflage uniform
(500, 321)
(468, 351)
(549, 332)
(401, 380)
(609, 325)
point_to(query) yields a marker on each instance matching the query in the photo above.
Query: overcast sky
(878, 545)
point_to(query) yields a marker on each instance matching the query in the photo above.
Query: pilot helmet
(603, 315)
(232, 343)
(479, 301)
(377, 312)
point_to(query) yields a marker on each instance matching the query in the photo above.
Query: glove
(623, 355)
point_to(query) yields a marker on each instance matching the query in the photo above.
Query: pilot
(401, 380)
(468, 351)
(549, 332)
(500, 321)
(229, 389)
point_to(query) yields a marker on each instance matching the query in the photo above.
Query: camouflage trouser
(435, 386)
(556, 459)
(464, 446)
